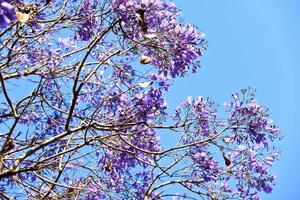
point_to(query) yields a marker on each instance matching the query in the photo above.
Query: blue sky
(252, 43)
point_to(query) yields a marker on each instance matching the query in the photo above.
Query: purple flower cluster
(150, 104)
(249, 121)
(201, 111)
(241, 170)
(179, 45)
(87, 26)
(206, 166)
(7, 13)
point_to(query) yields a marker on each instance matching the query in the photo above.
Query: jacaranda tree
(82, 106)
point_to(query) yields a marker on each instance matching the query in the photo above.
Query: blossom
(7, 13)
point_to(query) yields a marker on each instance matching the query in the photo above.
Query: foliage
(83, 87)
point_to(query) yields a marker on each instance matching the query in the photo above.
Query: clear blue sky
(252, 43)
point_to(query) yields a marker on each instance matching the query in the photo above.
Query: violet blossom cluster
(179, 45)
(83, 108)
(7, 13)
(230, 156)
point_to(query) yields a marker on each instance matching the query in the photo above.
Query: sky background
(252, 43)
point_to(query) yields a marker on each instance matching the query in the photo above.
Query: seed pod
(145, 60)
(227, 161)
(107, 166)
(140, 14)
(24, 12)
(70, 192)
(145, 84)
(47, 2)
(22, 16)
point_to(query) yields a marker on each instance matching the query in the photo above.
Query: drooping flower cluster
(250, 121)
(239, 167)
(89, 23)
(7, 13)
(173, 47)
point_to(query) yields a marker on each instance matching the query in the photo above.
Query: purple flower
(7, 13)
